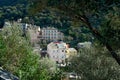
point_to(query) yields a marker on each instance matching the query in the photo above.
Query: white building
(84, 45)
(51, 34)
(7, 24)
(0, 29)
(57, 51)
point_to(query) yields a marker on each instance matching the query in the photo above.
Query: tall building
(51, 34)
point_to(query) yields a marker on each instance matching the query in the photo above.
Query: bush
(16, 56)
(95, 64)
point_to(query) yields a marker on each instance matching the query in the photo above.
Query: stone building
(51, 34)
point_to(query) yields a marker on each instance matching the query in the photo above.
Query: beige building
(70, 52)
(51, 34)
(57, 51)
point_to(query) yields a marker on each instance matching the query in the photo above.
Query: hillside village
(56, 49)
(59, 39)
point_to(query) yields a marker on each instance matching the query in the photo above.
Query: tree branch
(101, 38)
(95, 32)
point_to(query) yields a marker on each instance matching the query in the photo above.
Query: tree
(16, 55)
(112, 20)
(83, 10)
(95, 64)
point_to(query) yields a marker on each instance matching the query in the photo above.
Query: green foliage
(90, 13)
(16, 56)
(13, 12)
(93, 64)
(12, 2)
(45, 18)
(2, 49)
(43, 44)
(95, 11)
(49, 64)
(110, 28)
(53, 72)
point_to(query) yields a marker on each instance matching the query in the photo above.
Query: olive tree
(93, 64)
(16, 55)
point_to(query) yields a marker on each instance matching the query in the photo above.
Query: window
(65, 51)
(57, 62)
(62, 56)
(62, 50)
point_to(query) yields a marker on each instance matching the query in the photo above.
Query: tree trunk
(85, 20)
(101, 38)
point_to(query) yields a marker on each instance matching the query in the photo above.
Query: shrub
(94, 64)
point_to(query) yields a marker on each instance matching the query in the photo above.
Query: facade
(57, 51)
(34, 35)
(70, 52)
(51, 34)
